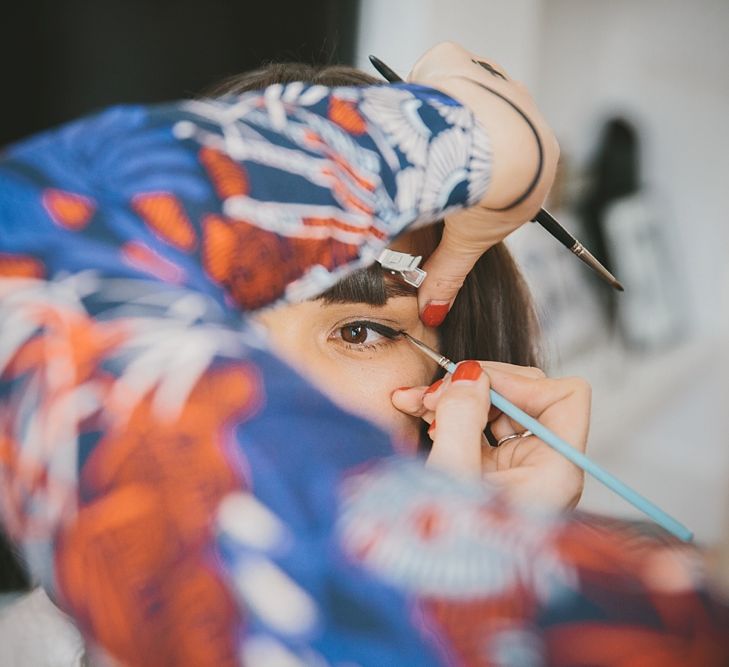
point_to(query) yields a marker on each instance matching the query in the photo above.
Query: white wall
(665, 62)
(399, 31)
(660, 423)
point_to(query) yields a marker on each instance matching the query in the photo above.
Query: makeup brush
(555, 442)
(543, 217)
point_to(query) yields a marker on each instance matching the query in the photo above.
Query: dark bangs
(492, 318)
(373, 286)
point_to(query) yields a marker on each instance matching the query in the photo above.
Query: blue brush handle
(579, 459)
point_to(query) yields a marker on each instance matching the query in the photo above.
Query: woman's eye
(354, 333)
(358, 333)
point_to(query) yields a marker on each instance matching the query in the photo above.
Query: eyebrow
(370, 286)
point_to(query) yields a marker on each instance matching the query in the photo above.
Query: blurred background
(638, 94)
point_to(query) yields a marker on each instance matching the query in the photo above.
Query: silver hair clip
(404, 264)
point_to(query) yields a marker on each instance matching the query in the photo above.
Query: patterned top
(185, 496)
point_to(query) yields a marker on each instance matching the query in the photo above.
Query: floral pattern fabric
(187, 497)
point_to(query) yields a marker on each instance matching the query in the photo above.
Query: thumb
(460, 417)
(446, 269)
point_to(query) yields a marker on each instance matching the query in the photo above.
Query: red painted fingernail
(431, 428)
(434, 313)
(402, 389)
(467, 370)
(434, 387)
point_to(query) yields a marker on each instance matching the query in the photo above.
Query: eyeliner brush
(543, 218)
(568, 451)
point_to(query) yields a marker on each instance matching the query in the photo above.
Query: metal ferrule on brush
(443, 362)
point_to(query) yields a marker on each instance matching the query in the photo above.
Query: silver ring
(506, 438)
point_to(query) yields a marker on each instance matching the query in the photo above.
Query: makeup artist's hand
(524, 161)
(529, 470)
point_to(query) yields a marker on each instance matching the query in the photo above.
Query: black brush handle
(383, 69)
(555, 229)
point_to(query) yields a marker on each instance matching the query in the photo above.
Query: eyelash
(362, 347)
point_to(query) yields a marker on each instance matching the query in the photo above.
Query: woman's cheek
(371, 398)
(364, 386)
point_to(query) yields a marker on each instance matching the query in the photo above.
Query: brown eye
(354, 333)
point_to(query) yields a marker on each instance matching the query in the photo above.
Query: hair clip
(404, 264)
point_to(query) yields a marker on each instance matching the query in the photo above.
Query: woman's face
(330, 344)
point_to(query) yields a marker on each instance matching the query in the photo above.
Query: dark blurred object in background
(626, 231)
(12, 575)
(612, 174)
(63, 59)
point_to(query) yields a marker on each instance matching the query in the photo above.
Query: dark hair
(13, 576)
(287, 72)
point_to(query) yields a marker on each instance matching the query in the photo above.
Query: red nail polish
(467, 370)
(401, 389)
(434, 314)
(434, 387)
(431, 428)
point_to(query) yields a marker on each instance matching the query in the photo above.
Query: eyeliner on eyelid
(382, 329)
(389, 334)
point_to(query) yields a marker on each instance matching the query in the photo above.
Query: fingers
(524, 154)
(502, 425)
(466, 236)
(527, 468)
(446, 269)
(523, 371)
(410, 400)
(460, 417)
(457, 409)
(562, 405)
(422, 401)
